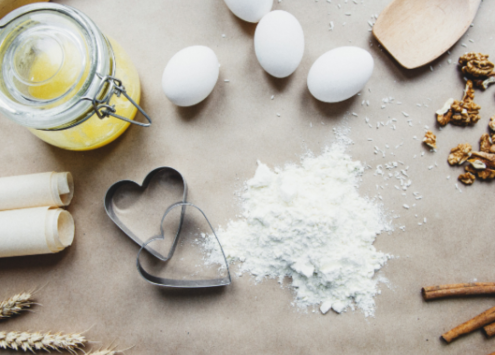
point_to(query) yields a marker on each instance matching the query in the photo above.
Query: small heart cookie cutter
(156, 280)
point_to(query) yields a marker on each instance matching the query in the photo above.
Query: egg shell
(190, 75)
(340, 74)
(279, 43)
(250, 10)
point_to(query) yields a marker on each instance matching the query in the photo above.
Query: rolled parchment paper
(30, 231)
(36, 190)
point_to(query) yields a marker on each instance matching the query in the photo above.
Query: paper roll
(36, 190)
(30, 231)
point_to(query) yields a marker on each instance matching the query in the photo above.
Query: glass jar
(63, 79)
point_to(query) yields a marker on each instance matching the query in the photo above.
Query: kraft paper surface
(94, 284)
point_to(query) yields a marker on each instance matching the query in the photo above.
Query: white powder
(308, 222)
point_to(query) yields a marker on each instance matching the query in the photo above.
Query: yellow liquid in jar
(94, 132)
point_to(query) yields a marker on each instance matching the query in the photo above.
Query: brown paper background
(94, 284)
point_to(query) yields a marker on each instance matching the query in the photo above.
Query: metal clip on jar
(62, 78)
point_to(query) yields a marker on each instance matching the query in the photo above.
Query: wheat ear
(104, 352)
(38, 341)
(15, 304)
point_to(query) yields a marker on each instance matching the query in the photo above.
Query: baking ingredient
(460, 113)
(482, 173)
(489, 330)
(460, 154)
(15, 304)
(41, 341)
(250, 10)
(94, 132)
(466, 112)
(190, 75)
(481, 164)
(491, 123)
(430, 140)
(467, 178)
(476, 64)
(36, 190)
(340, 74)
(308, 222)
(279, 43)
(455, 290)
(30, 231)
(471, 325)
(487, 158)
(486, 143)
(445, 113)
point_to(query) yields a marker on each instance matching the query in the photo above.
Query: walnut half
(486, 174)
(445, 113)
(491, 124)
(482, 160)
(460, 154)
(467, 178)
(486, 143)
(430, 140)
(476, 64)
(461, 113)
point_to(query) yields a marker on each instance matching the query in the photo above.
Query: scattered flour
(308, 222)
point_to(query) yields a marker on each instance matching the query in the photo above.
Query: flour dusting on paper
(308, 222)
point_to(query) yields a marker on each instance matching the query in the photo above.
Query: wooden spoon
(416, 32)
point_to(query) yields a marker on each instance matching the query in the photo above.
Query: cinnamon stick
(489, 330)
(453, 290)
(471, 325)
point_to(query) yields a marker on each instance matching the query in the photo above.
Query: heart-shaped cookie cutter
(156, 280)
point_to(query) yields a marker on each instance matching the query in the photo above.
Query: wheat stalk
(38, 341)
(104, 352)
(14, 305)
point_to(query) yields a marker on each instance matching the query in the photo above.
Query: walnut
(465, 113)
(430, 140)
(476, 64)
(470, 169)
(444, 118)
(477, 164)
(461, 113)
(467, 178)
(487, 158)
(491, 124)
(445, 113)
(459, 154)
(485, 143)
(482, 174)
(486, 174)
(484, 84)
(468, 91)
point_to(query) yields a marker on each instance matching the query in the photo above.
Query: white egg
(340, 74)
(250, 10)
(279, 43)
(190, 75)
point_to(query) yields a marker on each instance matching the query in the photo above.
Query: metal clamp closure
(103, 108)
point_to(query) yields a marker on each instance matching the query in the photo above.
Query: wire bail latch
(103, 108)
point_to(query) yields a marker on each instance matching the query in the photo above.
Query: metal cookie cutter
(160, 281)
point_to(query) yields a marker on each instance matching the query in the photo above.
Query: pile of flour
(308, 222)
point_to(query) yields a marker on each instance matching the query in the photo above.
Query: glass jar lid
(52, 59)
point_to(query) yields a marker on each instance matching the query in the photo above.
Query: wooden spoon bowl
(416, 32)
